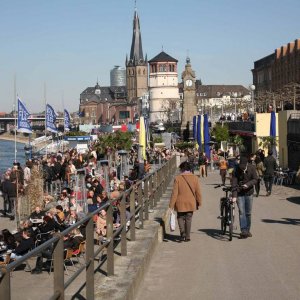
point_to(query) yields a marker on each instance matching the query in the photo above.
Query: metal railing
(146, 193)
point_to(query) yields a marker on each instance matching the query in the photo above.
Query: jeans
(269, 182)
(245, 209)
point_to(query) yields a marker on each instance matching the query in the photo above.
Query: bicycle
(227, 208)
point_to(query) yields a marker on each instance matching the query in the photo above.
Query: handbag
(197, 205)
(172, 220)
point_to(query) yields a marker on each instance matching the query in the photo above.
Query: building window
(124, 114)
(163, 68)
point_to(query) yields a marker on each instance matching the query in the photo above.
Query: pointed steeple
(136, 52)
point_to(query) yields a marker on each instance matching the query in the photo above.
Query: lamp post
(234, 95)
(252, 88)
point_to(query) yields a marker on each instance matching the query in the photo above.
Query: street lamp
(234, 95)
(171, 117)
(252, 88)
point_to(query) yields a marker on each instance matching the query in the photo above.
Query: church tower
(189, 96)
(136, 65)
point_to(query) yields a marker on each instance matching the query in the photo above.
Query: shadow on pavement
(171, 238)
(295, 200)
(286, 221)
(216, 234)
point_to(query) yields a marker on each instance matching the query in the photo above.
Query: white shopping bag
(172, 220)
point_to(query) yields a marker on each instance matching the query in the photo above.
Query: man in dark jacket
(270, 167)
(9, 189)
(24, 246)
(243, 182)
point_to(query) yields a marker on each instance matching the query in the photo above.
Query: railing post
(151, 196)
(132, 211)
(146, 197)
(141, 204)
(155, 185)
(58, 266)
(164, 171)
(5, 285)
(89, 258)
(123, 224)
(159, 179)
(110, 247)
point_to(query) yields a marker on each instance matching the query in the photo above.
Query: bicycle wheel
(223, 218)
(231, 221)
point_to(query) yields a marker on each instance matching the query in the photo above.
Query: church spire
(136, 52)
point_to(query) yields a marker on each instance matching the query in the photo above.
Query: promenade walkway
(265, 266)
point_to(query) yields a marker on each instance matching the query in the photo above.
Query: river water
(7, 154)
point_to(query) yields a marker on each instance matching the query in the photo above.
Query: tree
(239, 142)
(268, 142)
(115, 141)
(220, 133)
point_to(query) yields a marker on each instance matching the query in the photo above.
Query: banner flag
(23, 114)
(67, 120)
(199, 130)
(142, 138)
(50, 119)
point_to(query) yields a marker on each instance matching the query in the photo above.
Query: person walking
(202, 161)
(260, 172)
(270, 167)
(223, 165)
(186, 198)
(243, 182)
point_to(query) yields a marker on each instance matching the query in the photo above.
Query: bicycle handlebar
(227, 188)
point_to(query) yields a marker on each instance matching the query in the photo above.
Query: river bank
(10, 137)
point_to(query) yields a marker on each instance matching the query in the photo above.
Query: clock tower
(189, 108)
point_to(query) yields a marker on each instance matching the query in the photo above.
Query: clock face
(188, 82)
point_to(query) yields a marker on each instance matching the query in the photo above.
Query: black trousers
(269, 182)
(184, 220)
(47, 253)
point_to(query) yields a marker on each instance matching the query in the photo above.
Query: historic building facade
(100, 105)
(163, 88)
(278, 69)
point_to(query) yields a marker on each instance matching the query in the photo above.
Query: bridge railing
(141, 197)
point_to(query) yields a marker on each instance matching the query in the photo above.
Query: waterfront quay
(262, 267)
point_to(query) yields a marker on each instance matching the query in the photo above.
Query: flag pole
(15, 114)
(63, 104)
(45, 99)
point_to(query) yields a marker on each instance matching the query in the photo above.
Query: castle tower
(189, 96)
(136, 65)
(163, 88)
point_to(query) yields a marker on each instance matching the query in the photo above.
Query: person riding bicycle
(243, 181)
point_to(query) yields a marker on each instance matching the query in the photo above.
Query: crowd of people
(59, 210)
(62, 208)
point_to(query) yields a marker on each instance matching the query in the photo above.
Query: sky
(55, 49)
